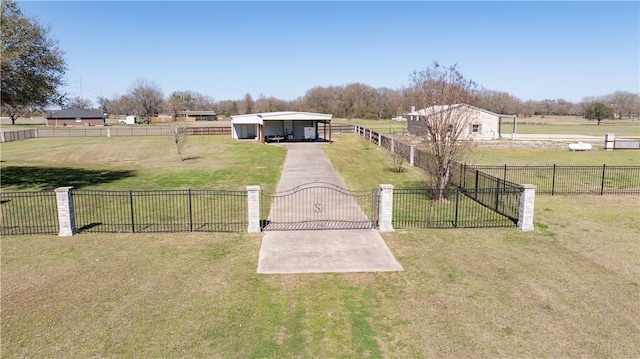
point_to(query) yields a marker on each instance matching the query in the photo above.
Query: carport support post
(66, 215)
(525, 207)
(385, 214)
(253, 196)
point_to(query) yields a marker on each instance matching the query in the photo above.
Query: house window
(475, 128)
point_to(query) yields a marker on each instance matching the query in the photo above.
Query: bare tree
(247, 104)
(79, 102)
(178, 135)
(441, 92)
(401, 152)
(146, 97)
(624, 103)
(499, 102)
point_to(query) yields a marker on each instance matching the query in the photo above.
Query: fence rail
(549, 180)
(626, 144)
(571, 180)
(9, 136)
(160, 211)
(460, 209)
(28, 213)
(336, 129)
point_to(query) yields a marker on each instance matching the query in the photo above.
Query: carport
(285, 126)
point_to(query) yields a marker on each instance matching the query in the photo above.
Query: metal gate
(319, 206)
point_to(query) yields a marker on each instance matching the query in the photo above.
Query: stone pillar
(385, 210)
(2, 137)
(66, 214)
(411, 154)
(35, 133)
(108, 132)
(253, 196)
(525, 207)
(609, 139)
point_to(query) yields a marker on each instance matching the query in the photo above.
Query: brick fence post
(385, 211)
(525, 207)
(66, 214)
(253, 196)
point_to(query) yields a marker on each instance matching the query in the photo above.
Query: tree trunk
(443, 181)
(13, 119)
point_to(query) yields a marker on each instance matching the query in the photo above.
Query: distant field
(620, 129)
(541, 156)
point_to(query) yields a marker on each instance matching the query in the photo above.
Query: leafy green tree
(32, 65)
(597, 111)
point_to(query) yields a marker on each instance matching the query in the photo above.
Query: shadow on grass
(48, 178)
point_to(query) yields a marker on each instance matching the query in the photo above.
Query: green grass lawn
(356, 164)
(567, 289)
(139, 163)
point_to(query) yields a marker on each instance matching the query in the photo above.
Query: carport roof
(259, 118)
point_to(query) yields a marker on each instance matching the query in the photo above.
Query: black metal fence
(28, 213)
(549, 180)
(571, 180)
(160, 211)
(461, 208)
(490, 192)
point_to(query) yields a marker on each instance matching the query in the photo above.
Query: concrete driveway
(352, 250)
(318, 251)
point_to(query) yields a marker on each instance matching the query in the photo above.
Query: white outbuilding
(481, 124)
(282, 126)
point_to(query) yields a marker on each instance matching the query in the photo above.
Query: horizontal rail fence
(208, 130)
(160, 211)
(338, 129)
(9, 136)
(126, 131)
(28, 213)
(422, 208)
(386, 143)
(626, 144)
(571, 180)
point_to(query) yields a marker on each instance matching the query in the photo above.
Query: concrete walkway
(318, 251)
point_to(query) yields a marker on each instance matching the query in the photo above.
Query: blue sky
(532, 50)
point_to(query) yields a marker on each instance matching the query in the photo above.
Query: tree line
(33, 69)
(355, 100)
